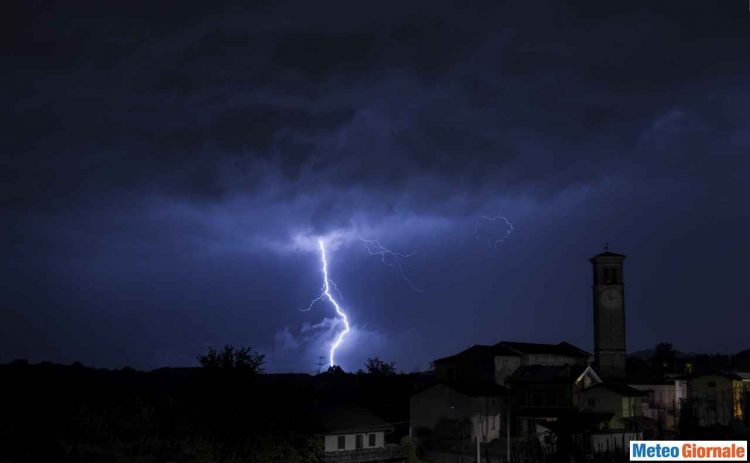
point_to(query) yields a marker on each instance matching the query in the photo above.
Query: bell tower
(609, 314)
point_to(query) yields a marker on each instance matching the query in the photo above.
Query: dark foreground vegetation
(57, 413)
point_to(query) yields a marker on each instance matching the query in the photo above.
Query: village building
(547, 393)
(499, 361)
(623, 401)
(663, 403)
(716, 399)
(355, 435)
(479, 405)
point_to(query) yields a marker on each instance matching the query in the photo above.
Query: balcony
(389, 453)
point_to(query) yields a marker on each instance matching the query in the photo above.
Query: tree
(242, 358)
(664, 357)
(377, 367)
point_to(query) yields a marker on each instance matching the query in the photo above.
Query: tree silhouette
(377, 367)
(242, 358)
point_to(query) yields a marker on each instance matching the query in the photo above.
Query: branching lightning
(326, 293)
(329, 288)
(389, 258)
(494, 242)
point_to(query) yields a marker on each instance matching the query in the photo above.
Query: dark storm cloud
(445, 91)
(153, 144)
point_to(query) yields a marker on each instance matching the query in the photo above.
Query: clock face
(611, 298)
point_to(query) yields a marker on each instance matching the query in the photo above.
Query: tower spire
(610, 347)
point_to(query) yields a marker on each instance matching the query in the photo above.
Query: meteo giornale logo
(686, 450)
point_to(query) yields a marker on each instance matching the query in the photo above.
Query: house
(546, 393)
(355, 435)
(745, 396)
(623, 401)
(716, 399)
(663, 402)
(479, 405)
(499, 361)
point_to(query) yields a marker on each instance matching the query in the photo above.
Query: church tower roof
(607, 254)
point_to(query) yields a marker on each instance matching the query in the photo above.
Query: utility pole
(478, 456)
(507, 423)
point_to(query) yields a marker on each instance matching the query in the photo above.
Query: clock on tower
(609, 314)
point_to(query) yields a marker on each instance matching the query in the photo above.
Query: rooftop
(354, 419)
(608, 255)
(519, 349)
(525, 348)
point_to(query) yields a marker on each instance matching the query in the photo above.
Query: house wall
(472, 366)
(715, 399)
(543, 394)
(664, 402)
(552, 360)
(505, 366)
(611, 402)
(440, 401)
(331, 441)
(487, 427)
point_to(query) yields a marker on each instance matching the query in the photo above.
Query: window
(341, 443)
(371, 440)
(359, 443)
(592, 403)
(712, 384)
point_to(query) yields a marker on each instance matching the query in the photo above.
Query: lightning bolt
(493, 243)
(326, 294)
(389, 258)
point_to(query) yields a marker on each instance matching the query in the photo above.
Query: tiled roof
(475, 350)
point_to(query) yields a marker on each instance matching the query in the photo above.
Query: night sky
(165, 171)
